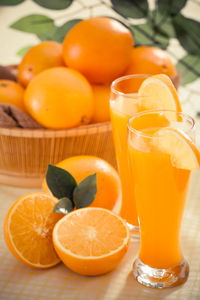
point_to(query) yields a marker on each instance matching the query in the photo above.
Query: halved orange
(183, 151)
(158, 92)
(91, 241)
(28, 230)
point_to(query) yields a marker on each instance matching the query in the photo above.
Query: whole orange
(150, 60)
(100, 48)
(43, 56)
(108, 183)
(12, 92)
(101, 103)
(60, 98)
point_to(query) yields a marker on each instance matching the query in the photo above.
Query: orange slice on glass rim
(28, 230)
(158, 92)
(183, 151)
(91, 241)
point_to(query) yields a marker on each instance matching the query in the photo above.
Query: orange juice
(129, 95)
(120, 111)
(160, 190)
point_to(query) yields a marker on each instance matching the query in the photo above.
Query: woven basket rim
(49, 133)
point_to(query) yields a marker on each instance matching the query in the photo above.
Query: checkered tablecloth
(21, 282)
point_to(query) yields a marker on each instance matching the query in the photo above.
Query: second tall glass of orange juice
(129, 95)
(162, 155)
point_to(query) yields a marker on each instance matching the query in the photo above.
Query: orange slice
(28, 230)
(158, 92)
(91, 241)
(184, 153)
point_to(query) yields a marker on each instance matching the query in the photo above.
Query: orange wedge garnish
(183, 151)
(158, 92)
(91, 241)
(28, 230)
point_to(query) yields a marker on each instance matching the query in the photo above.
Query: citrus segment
(158, 92)
(184, 153)
(28, 230)
(91, 241)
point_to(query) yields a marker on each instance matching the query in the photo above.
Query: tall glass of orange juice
(129, 96)
(162, 155)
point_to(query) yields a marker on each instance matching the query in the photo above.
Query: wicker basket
(25, 154)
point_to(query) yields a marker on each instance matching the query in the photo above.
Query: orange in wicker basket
(26, 153)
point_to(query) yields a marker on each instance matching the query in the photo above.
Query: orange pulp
(119, 119)
(160, 191)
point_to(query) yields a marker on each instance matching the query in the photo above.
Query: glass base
(160, 278)
(135, 231)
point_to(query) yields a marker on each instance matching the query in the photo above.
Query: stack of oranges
(67, 85)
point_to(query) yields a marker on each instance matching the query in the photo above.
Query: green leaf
(60, 182)
(61, 31)
(189, 68)
(37, 24)
(170, 7)
(64, 206)
(188, 33)
(131, 8)
(85, 192)
(166, 28)
(162, 23)
(23, 50)
(54, 4)
(10, 2)
(48, 35)
(58, 33)
(146, 34)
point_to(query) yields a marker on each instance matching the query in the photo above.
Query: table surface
(21, 282)
(18, 281)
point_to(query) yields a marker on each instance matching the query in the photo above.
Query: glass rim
(186, 116)
(122, 78)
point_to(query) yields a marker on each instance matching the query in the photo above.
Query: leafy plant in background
(158, 26)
